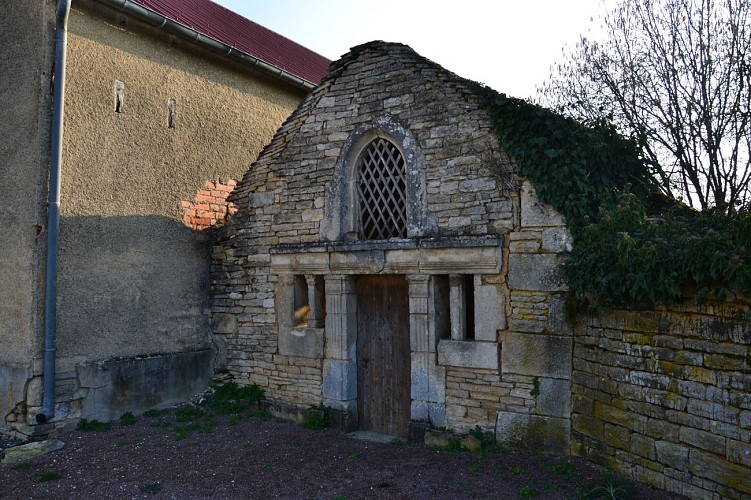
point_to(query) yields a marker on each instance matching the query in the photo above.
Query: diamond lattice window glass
(382, 192)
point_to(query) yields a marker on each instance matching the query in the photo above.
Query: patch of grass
(340, 497)
(181, 432)
(528, 492)
(160, 425)
(262, 414)
(93, 426)
(21, 467)
(486, 439)
(234, 420)
(454, 446)
(516, 470)
(318, 418)
(295, 444)
(356, 454)
(398, 442)
(127, 419)
(269, 465)
(207, 426)
(188, 414)
(50, 475)
(231, 398)
(610, 490)
(474, 469)
(566, 470)
(155, 413)
(548, 487)
(120, 443)
(150, 489)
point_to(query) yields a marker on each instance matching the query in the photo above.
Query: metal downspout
(53, 213)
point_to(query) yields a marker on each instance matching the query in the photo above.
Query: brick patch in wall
(210, 207)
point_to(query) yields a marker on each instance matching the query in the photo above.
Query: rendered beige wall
(24, 158)
(133, 281)
(133, 278)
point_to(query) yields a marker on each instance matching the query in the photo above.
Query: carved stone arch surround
(340, 221)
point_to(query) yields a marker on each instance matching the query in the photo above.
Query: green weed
(516, 470)
(566, 470)
(231, 398)
(93, 426)
(610, 490)
(127, 419)
(262, 414)
(528, 492)
(188, 414)
(318, 418)
(535, 387)
(207, 426)
(398, 442)
(548, 487)
(21, 467)
(486, 439)
(120, 443)
(181, 432)
(51, 475)
(356, 454)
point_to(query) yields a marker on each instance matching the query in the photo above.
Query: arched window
(382, 191)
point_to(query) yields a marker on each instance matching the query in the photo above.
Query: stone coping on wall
(466, 254)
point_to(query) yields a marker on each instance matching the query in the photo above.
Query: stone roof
(355, 62)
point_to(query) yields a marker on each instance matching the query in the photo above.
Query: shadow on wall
(132, 285)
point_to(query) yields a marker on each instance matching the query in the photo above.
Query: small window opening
(172, 108)
(469, 306)
(309, 308)
(382, 192)
(441, 306)
(119, 96)
(302, 305)
(462, 306)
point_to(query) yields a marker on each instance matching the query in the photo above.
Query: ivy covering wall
(632, 246)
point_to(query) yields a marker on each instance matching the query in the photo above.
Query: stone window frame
(380, 178)
(341, 220)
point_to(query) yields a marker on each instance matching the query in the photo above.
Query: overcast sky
(506, 44)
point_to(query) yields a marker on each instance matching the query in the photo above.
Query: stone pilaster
(340, 365)
(428, 379)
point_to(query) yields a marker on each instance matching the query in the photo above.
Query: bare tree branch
(676, 76)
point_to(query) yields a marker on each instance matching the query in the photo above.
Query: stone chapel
(387, 261)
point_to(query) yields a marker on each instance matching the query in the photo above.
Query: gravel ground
(243, 456)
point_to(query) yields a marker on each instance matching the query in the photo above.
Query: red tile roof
(234, 30)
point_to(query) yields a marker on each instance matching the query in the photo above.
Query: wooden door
(383, 354)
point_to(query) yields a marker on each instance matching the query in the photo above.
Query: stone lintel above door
(459, 255)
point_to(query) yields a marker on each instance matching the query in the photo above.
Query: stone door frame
(339, 264)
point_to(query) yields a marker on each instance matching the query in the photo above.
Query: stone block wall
(665, 397)
(533, 408)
